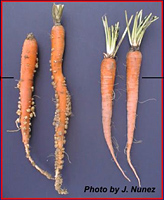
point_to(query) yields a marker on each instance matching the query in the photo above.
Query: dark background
(85, 43)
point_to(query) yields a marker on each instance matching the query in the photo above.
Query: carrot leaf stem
(139, 27)
(111, 36)
(30, 36)
(57, 11)
(123, 35)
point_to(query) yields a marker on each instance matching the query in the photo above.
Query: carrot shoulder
(63, 100)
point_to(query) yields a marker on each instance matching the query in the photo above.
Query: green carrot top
(111, 36)
(139, 27)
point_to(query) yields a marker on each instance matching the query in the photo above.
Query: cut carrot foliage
(62, 96)
(26, 105)
(133, 65)
(108, 72)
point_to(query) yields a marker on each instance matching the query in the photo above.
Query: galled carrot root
(62, 96)
(26, 104)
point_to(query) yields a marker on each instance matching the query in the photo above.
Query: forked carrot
(63, 99)
(108, 72)
(133, 65)
(26, 104)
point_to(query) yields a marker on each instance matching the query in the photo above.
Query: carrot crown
(111, 36)
(57, 11)
(30, 36)
(139, 27)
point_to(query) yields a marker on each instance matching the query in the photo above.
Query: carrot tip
(126, 177)
(28, 156)
(129, 180)
(133, 169)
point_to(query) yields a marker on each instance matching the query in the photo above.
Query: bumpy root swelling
(60, 140)
(62, 96)
(26, 104)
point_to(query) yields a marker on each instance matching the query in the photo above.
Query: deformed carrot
(26, 104)
(133, 65)
(63, 99)
(108, 73)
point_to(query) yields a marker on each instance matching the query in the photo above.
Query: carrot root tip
(133, 169)
(58, 184)
(45, 173)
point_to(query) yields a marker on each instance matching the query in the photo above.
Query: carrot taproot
(62, 96)
(133, 65)
(108, 73)
(26, 104)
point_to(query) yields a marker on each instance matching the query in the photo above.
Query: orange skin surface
(28, 63)
(57, 50)
(108, 73)
(133, 63)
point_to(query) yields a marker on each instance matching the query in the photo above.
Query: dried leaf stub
(57, 11)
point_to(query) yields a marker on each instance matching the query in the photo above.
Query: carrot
(133, 65)
(26, 105)
(63, 99)
(108, 72)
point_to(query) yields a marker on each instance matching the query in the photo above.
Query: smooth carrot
(62, 96)
(133, 65)
(26, 104)
(108, 73)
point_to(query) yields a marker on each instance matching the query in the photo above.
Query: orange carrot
(63, 100)
(133, 65)
(26, 105)
(108, 72)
